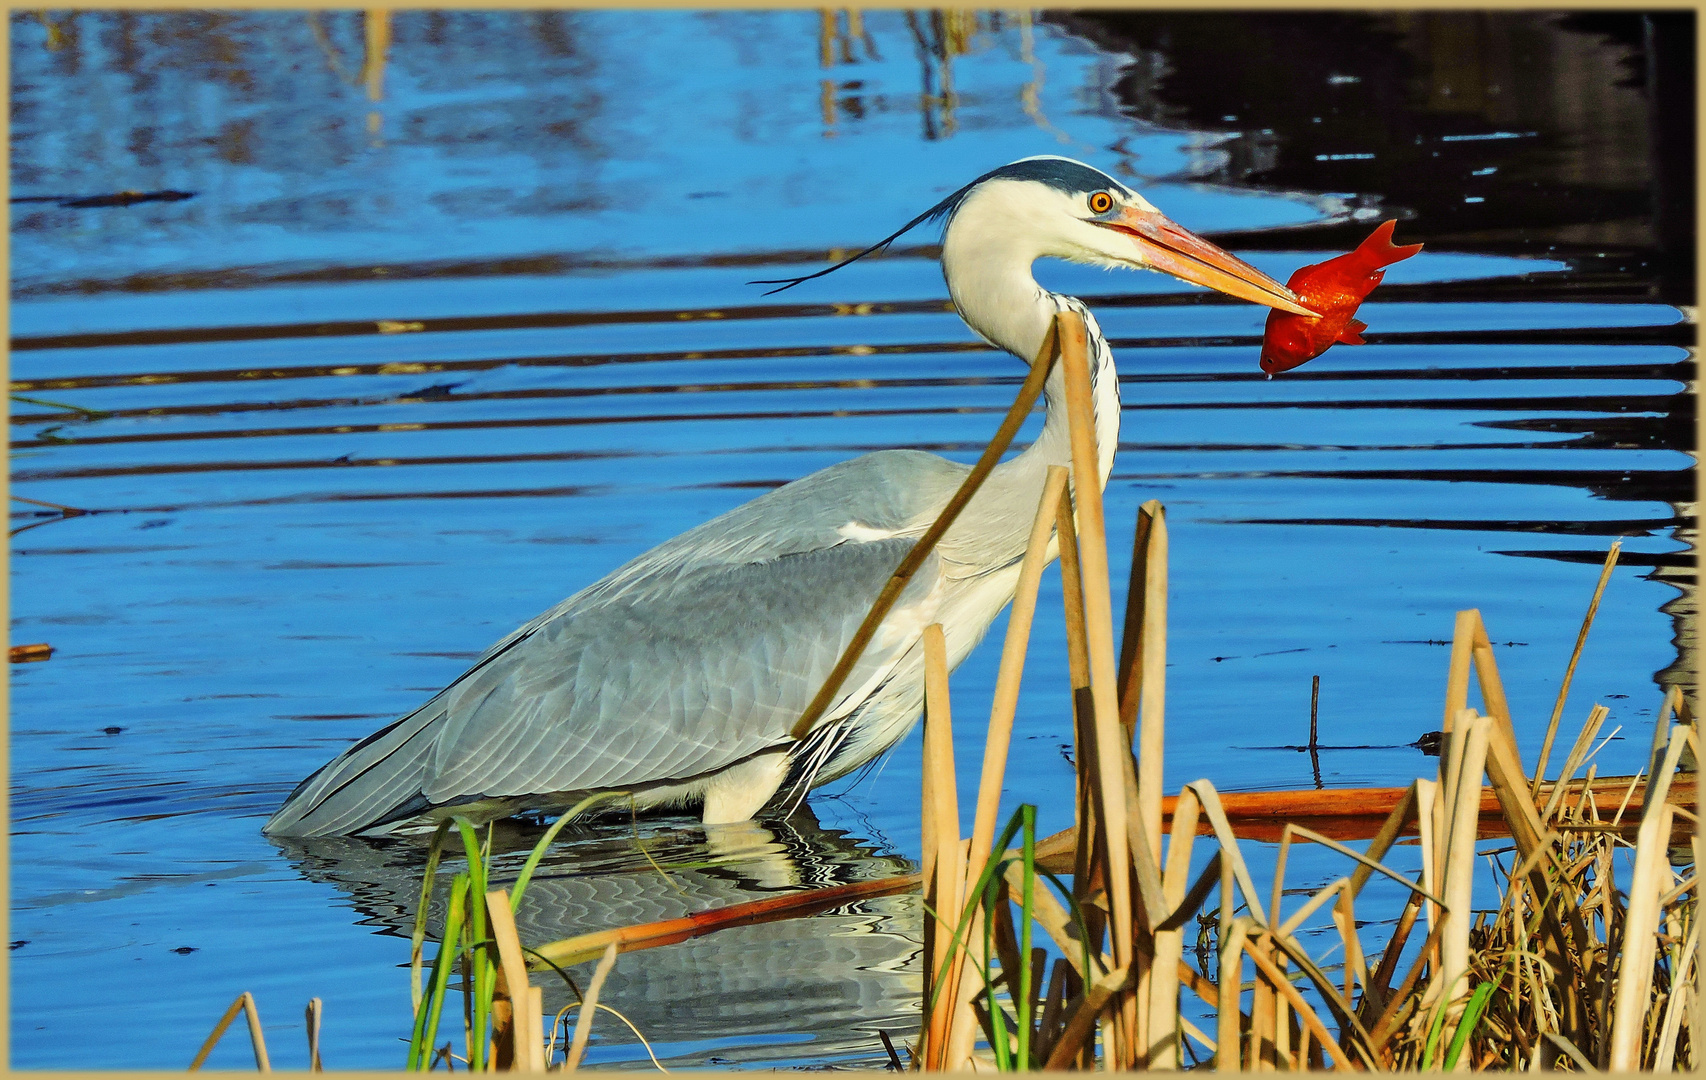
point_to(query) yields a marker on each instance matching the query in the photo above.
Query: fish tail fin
(1352, 333)
(1379, 250)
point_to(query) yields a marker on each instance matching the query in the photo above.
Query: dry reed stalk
(1673, 704)
(312, 1015)
(929, 866)
(1233, 864)
(1008, 676)
(1401, 814)
(961, 1016)
(1161, 1049)
(1570, 669)
(542, 1040)
(1683, 991)
(1378, 991)
(1056, 921)
(1395, 1011)
(1098, 625)
(1456, 682)
(1089, 846)
(1039, 976)
(1452, 981)
(1080, 1025)
(1206, 991)
(1157, 988)
(1450, 773)
(943, 813)
(1229, 1044)
(915, 556)
(1150, 910)
(1428, 813)
(504, 1010)
(1131, 633)
(1054, 1002)
(244, 1003)
(1151, 907)
(589, 1005)
(930, 856)
(257, 1038)
(1641, 919)
(1152, 669)
(377, 25)
(1504, 760)
(1261, 1055)
(1503, 734)
(1284, 989)
(517, 1034)
(1344, 920)
(1584, 740)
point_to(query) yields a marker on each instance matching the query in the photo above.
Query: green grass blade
(1465, 1027)
(1023, 1006)
(417, 939)
(539, 849)
(93, 414)
(997, 1019)
(484, 978)
(1077, 913)
(426, 1019)
(991, 869)
(1435, 1026)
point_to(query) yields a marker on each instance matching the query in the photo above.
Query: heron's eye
(1101, 202)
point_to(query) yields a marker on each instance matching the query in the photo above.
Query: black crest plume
(1062, 174)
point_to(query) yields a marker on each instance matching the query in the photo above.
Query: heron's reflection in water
(747, 994)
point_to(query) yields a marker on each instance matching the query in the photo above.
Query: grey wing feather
(693, 656)
(717, 670)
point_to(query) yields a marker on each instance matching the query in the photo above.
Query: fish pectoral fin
(1352, 333)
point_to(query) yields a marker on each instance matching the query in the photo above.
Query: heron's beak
(1175, 250)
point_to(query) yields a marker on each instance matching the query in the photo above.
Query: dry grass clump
(1569, 971)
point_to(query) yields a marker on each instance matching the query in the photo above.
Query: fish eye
(1101, 202)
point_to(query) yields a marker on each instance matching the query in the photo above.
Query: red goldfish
(1335, 288)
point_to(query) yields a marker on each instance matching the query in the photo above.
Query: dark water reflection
(748, 994)
(457, 320)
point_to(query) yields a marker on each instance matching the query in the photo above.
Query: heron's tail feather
(375, 782)
(808, 761)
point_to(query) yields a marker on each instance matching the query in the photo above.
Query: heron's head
(1054, 207)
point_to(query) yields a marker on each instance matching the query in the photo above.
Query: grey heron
(677, 677)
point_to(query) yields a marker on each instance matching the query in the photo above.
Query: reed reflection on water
(840, 976)
(457, 320)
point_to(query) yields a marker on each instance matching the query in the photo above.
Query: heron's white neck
(988, 270)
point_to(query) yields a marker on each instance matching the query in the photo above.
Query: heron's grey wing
(672, 686)
(726, 621)
(365, 784)
(613, 695)
(890, 493)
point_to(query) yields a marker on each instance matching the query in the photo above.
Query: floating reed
(28, 654)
